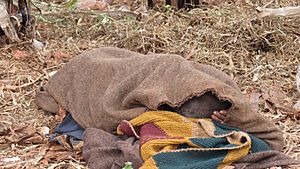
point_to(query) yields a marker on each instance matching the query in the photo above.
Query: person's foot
(219, 116)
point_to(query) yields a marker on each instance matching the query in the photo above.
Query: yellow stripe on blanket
(169, 140)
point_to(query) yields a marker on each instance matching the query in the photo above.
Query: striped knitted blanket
(171, 141)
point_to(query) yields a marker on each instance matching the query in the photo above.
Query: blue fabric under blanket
(70, 127)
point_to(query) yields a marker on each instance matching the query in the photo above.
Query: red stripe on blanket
(151, 132)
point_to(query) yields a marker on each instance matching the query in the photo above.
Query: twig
(24, 85)
(269, 3)
(14, 44)
(286, 11)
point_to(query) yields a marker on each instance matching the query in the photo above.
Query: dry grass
(228, 36)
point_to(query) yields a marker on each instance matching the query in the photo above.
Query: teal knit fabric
(257, 144)
(194, 159)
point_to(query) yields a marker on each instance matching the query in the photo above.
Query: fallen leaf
(64, 141)
(25, 130)
(55, 153)
(44, 161)
(54, 146)
(19, 54)
(93, 5)
(33, 139)
(275, 100)
(61, 114)
(78, 146)
(273, 93)
(58, 155)
(24, 135)
(60, 54)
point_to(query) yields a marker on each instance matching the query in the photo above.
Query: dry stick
(192, 52)
(269, 3)
(24, 85)
(286, 11)
(15, 44)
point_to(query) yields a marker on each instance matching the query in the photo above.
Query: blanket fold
(104, 86)
(104, 150)
(169, 140)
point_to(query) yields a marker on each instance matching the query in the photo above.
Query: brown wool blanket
(105, 150)
(104, 86)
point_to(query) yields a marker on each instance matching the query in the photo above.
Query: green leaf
(168, 8)
(128, 165)
(71, 4)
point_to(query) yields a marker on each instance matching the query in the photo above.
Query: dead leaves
(31, 147)
(41, 157)
(93, 5)
(274, 100)
(58, 155)
(20, 54)
(62, 151)
(60, 55)
(24, 135)
(61, 114)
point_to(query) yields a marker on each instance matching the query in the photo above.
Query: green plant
(128, 165)
(168, 8)
(71, 4)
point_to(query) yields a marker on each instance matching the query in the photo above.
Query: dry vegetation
(228, 36)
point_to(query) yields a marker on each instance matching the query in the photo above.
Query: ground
(255, 51)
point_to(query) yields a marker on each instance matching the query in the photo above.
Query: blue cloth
(258, 145)
(70, 127)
